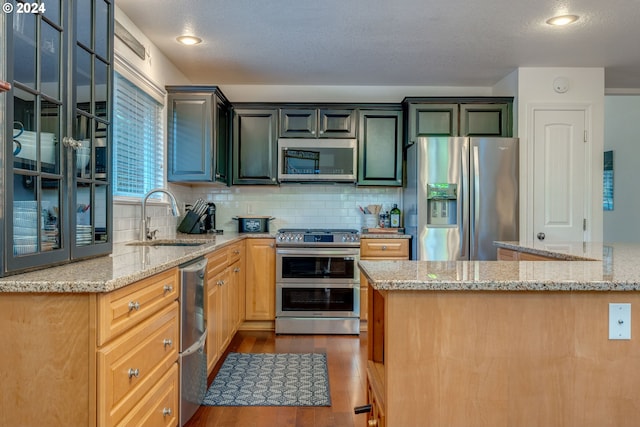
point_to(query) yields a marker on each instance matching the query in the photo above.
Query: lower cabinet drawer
(159, 408)
(384, 248)
(129, 366)
(120, 310)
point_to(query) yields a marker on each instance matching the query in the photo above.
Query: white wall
(160, 72)
(622, 135)
(586, 88)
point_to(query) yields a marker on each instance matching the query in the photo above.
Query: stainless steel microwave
(317, 160)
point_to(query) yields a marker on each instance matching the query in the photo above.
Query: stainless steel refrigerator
(461, 195)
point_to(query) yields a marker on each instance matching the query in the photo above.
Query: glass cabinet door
(36, 177)
(91, 190)
(57, 192)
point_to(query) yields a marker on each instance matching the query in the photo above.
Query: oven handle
(318, 251)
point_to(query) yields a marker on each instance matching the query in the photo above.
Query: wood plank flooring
(346, 358)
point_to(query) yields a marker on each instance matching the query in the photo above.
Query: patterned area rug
(261, 379)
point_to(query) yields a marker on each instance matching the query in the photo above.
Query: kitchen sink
(166, 242)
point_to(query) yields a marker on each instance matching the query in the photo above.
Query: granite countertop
(126, 264)
(376, 235)
(613, 267)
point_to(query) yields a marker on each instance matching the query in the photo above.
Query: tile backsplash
(292, 206)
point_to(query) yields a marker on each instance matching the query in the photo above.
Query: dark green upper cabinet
(432, 120)
(485, 119)
(454, 116)
(198, 140)
(255, 139)
(380, 147)
(317, 123)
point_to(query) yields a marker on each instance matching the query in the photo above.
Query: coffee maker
(209, 222)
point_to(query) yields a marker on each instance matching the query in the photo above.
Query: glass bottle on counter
(395, 216)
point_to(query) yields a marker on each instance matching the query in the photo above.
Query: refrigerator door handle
(474, 208)
(463, 200)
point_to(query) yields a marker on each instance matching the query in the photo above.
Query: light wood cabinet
(130, 365)
(260, 280)
(225, 300)
(378, 249)
(61, 374)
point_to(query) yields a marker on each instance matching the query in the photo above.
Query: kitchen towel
(271, 379)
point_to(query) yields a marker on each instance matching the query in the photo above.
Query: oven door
(326, 300)
(317, 265)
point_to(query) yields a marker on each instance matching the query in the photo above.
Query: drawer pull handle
(384, 248)
(166, 412)
(168, 288)
(134, 373)
(167, 342)
(134, 305)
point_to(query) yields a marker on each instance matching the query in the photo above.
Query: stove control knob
(299, 237)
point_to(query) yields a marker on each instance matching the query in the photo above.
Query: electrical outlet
(619, 321)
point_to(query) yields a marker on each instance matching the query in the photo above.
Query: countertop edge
(35, 281)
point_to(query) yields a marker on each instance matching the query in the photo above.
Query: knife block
(190, 224)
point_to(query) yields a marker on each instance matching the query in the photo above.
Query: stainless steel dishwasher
(193, 333)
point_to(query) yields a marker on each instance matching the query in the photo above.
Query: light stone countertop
(126, 264)
(374, 235)
(615, 267)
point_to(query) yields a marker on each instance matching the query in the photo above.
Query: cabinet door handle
(134, 373)
(168, 288)
(167, 342)
(166, 412)
(134, 305)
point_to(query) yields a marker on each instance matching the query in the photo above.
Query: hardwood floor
(346, 358)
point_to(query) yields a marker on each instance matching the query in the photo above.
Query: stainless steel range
(317, 281)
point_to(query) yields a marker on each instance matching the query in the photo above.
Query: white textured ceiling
(389, 42)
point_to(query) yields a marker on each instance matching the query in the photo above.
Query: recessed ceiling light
(562, 20)
(189, 40)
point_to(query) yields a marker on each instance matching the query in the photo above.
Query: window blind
(137, 140)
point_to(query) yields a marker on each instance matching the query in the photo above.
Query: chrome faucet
(144, 222)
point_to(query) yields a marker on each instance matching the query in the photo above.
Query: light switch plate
(619, 321)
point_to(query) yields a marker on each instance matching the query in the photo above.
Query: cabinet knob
(237, 252)
(167, 342)
(372, 423)
(166, 412)
(134, 373)
(168, 288)
(384, 248)
(220, 282)
(134, 305)
(541, 236)
(236, 270)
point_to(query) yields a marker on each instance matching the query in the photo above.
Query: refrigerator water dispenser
(442, 204)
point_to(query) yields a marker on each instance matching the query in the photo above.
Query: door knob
(541, 236)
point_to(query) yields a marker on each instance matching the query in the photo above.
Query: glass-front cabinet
(57, 194)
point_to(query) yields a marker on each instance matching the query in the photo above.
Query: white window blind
(137, 140)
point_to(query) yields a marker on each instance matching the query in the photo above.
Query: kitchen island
(525, 343)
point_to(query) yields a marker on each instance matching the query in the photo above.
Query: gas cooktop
(318, 236)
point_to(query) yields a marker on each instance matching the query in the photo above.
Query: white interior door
(559, 175)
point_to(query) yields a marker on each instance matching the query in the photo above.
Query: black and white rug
(277, 379)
